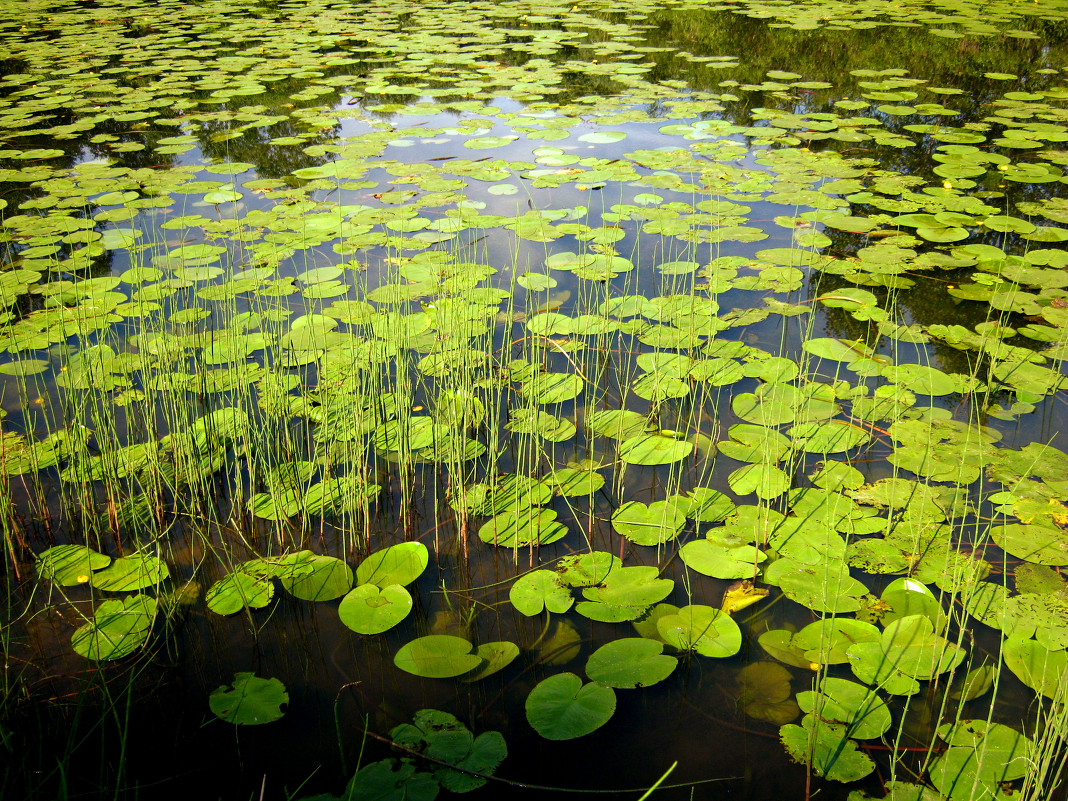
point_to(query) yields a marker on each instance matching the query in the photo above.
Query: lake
(412, 399)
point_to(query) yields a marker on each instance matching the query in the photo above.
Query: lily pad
(134, 572)
(629, 663)
(561, 707)
(370, 610)
(70, 565)
(250, 700)
(398, 564)
(118, 628)
(708, 631)
(437, 656)
(654, 524)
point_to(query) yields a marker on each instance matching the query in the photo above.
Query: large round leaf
(68, 565)
(654, 524)
(720, 559)
(553, 387)
(369, 610)
(130, 573)
(629, 663)
(562, 708)
(853, 705)
(531, 526)
(538, 590)
(437, 656)
(118, 628)
(398, 564)
(654, 449)
(251, 701)
(708, 631)
(239, 590)
(827, 749)
(833, 436)
(327, 579)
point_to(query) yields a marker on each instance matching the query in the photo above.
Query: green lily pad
(654, 449)
(540, 590)
(437, 656)
(445, 739)
(328, 578)
(1040, 668)
(523, 527)
(69, 565)
(708, 631)
(398, 564)
(722, 560)
(553, 387)
(863, 714)
(561, 707)
(495, 656)
(624, 594)
(826, 749)
(654, 524)
(629, 663)
(118, 628)
(982, 755)
(370, 610)
(766, 480)
(239, 590)
(250, 701)
(135, 572)
(833, 436)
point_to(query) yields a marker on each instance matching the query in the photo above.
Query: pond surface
(421, 398)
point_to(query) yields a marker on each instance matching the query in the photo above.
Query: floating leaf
(629, 663)
(328, 578)
(118, 628)
(250, 701)
(708, 631)
(369, 610)
(437, 656)
(561, 707)
(69, 565)
(856, 707)
(239, 590)
(134, 572)
(654, 524)
(720, 559)
(538, 590)
(495, 656)
(398, 564)
(827, 749)
(654, 449)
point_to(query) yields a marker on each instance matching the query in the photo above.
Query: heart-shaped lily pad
(654, 524)
(561, 707)
(250, 701)
(135, 572)
(370, 610)
(398, 564)
(437, 656)
(69, 565)
(708, 631)
(630, 662)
